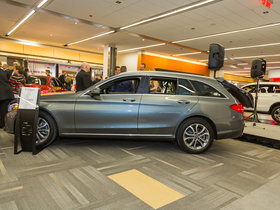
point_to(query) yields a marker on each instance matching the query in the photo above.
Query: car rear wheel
(276, 113)
(195, 135)
(46, 130)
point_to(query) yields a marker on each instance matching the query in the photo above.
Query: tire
(195, 135)
(276, 113)
(46, 130)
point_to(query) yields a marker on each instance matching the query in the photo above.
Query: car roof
(165, 74)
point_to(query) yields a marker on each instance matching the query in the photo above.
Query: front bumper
(10, 122)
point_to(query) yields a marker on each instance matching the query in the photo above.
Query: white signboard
(28, 98)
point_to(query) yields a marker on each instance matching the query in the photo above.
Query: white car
(268, 98)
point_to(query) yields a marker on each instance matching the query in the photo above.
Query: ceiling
(60, 22)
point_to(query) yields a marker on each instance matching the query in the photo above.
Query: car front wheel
(195, 135)
(46, 130)
(276, 113)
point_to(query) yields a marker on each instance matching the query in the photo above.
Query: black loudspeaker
(258, 68)
(216, 56)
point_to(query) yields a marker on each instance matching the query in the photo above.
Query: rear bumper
(232, 133)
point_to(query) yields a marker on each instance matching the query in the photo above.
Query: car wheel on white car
(276, 113)
(195, 135)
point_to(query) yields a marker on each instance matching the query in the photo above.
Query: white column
(105, 61)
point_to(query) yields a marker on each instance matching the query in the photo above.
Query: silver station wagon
(190, 109)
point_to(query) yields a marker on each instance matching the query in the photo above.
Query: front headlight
(13, 106)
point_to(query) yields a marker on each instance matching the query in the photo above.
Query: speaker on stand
(216, 57)
(257, 72)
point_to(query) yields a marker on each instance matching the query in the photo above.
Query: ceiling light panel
(224, 18)
(115, 15)
(123, 39)
(63, 30)
(9, 15)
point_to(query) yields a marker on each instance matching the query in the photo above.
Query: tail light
(238, 108)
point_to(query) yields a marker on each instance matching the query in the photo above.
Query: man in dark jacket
(6, 95)
(83, 78)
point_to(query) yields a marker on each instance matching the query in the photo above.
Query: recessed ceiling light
(193, 53)
(26, 17)
(257, 56)
(229, 32)
(93, 37)
(167, 14)
(139, 48)
(252, 46)
(178, 59)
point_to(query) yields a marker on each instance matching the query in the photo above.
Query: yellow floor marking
(146, 188)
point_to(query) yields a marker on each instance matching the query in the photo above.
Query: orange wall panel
(153, 62)
(91, 58)
(11, 47)
(66, 54)
(39, 51)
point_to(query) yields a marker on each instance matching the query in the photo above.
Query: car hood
(58, 97)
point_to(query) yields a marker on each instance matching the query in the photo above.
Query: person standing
(6, 95)
(62, 78)
(124, 86)
(5, 67)
(142, 67)
(123, 69)
(83, 78)
(17, 80)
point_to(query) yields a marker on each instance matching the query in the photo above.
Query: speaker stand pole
(215, 74)
(256, 119)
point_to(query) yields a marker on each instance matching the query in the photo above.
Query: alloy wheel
(43, 130)
(196, 136)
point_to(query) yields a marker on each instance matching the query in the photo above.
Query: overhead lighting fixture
(177, 59)
(93, 37)
(139, 48)
(242, 64)
(234, 67)
(41, 3)
(253, 46)
(229, 32)
(27, 42)
(257, 56)
(167, 14)
(26, 17)
(21, 22)
(193, 53)
(272, 62)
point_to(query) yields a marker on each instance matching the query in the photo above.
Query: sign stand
(26, 121)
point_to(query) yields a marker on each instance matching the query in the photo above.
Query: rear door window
(185, 87)
(162, 86)
(203, 89)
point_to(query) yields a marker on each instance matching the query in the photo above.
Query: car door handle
(183, 102)
(128, 99)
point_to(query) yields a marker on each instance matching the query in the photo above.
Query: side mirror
(95, 92)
